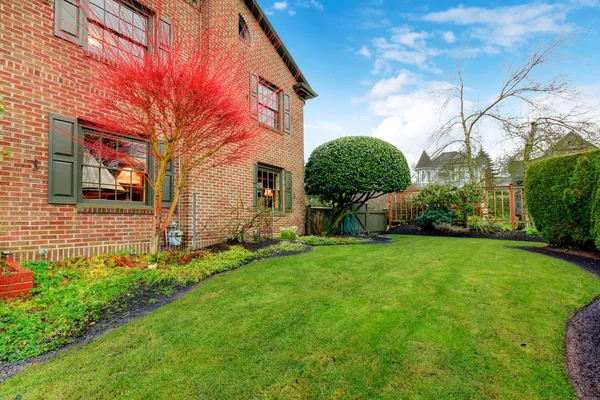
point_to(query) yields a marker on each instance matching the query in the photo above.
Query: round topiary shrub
(354, 170)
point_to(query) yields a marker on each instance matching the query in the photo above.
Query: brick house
(53, 200)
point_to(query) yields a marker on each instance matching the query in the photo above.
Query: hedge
(563, 195)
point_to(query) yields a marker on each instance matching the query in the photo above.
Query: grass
(71, 294)
(425, 317)
(332, 240)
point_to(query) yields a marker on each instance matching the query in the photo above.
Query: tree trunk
(157, 224)
(469, 158)
(528, 150)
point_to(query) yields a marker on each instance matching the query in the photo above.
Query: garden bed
(414, 229)
(72, 298)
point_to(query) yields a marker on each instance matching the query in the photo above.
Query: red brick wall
(41, 73)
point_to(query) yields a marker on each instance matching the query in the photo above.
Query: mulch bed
(582, 342)
(251, 246)
(413, 229)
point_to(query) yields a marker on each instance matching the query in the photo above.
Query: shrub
(530, 231)
(436, 216)
(479, 225)
(560, 196)
(354, 170)
(462, 199)
(289, 233)
(451, 230)
(502, 226)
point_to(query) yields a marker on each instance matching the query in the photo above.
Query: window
(243, 30)
(113, 168)
(87, 166)
(270, 189)
(116, 28)
(111, 28)
(270, 105)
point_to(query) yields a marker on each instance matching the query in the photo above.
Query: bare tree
(545, 125)
(519, 86)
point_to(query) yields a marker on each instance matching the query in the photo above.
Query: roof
(302, 87)
(570, 143)
(445, 159)
(424, 161)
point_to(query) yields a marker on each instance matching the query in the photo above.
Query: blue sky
(375, 63)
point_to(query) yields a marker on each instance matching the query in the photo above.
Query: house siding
(41, 73)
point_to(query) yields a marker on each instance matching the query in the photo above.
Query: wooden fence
(505, 204)
(369, 220)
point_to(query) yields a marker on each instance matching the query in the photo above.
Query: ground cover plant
(424, 317)
(71, 294)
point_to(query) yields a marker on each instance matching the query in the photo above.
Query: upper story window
(268, 103)
(110, 28)
(243, 30)
(117, 28)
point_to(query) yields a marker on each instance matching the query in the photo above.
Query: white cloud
(364, 51)
(405, 47)
(409, 111)
(409, 38)
(311, 4)
(449, 37)
(506, 26)
(281, 5)
(329, 127)
(386, 87)
(292, 12)
(381, 67)
(382, 44)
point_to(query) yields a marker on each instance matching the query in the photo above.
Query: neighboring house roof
(569, 144)
(302, 87)
(443, 160)
(424, 161)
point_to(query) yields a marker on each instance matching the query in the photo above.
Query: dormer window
(243, 30)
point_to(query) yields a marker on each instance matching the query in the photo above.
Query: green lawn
(421, 318)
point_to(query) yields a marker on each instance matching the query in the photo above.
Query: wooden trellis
(504, 204)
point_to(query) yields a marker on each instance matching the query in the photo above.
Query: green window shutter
(165, 35)
(288, 191)
(255, 186)
(69, 20)
(169, 183)
(287, 113)
(254, 82)
(63, 149)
